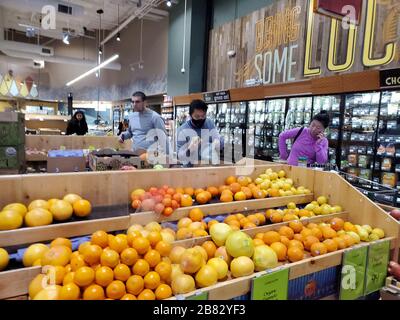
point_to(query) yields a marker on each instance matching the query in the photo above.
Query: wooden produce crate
(113, 189)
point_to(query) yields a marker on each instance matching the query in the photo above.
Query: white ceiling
(28, 12)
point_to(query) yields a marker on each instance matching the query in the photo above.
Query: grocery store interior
(199, 150)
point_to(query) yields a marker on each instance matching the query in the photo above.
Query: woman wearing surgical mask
(309, 143)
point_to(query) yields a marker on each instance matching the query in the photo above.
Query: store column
(192, 78)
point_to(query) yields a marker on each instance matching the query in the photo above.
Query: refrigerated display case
(238, 128)
(330, 104)
(359, 134)
(212, 112)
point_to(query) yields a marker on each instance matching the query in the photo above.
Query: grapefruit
(38, 217)
(33, 253)
(61, 210)
(38, 204)
(10, 219)
(19, 207)
(242, 266)
(57, 256)
(71, 198)
(4, 259)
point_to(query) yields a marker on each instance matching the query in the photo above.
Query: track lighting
(169, 3)
(118, 37)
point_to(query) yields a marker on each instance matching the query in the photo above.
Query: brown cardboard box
(66, 164)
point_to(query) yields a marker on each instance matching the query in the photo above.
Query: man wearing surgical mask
(198, 138)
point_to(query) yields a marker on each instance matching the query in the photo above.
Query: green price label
(271, 286)
(92, 148)
(199, 296)
(378, 259)
(353, 273)
(63, 148)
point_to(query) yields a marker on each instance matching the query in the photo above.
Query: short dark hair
(197, 104)
(140, 94)
(322, 117)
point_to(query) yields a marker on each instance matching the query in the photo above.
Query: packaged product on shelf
(365, 174)
(352, 159)
(386, 164)
(389, 179)
(363, 161)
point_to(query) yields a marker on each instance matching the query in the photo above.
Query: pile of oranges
(166, 199)
(125, 266)
(41, 212)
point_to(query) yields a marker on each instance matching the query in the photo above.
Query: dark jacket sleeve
(70, 128)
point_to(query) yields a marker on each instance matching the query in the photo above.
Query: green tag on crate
(353, 273)
(63, 148)
(271, 286)
(377, 264)
(202, 295)
(92, 148)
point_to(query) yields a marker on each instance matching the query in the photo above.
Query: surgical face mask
(198, 123)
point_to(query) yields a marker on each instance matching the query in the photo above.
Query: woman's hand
(320, 136)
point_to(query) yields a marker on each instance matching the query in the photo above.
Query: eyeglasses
(136, 101)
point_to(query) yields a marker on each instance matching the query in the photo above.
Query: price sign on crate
(378, 259)
(353, 273)
(271, 286)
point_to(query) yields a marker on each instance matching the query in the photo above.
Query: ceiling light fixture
(100, 51)
(118, 34)
(169, 3)
(66, 38)
(93, 70)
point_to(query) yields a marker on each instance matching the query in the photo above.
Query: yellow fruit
(37, 284)
(379, 232)
(104, 276)
(322, 200)
(57, 256)
(70, 291)
(206, 276)
(33, 253)
(84, 276)
(71, 198)
(19, 207)
(61, 242)
(220, 266)
(291, 205)
(10, 220)
(38, 217)
(4, 259)
(82, 208)
(163, 291)
(109, 258)
(55, 274)
(61, 210)
(38, 204)
(135, 285)
(49, 293)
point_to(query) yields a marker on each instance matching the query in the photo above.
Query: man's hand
(194, 143)
(120, 140)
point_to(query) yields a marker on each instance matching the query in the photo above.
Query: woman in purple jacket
(309, 142)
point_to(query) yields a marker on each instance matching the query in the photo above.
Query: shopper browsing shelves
(310, 144)
(77, 125)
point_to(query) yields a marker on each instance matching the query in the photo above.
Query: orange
(82, 246)
(128, 296)
(249, 225)
(258, 242)
(210, 248)
(210, 223)
(109, 258)
(348, 239)
(316, 232)
(164, 248)
(184, 233)
(304, 213)
(118, 243)
(82, 208)
(257, 193)
(163, 291)
(70, 291)
(68, 278)
(274, 193)
(94, 292)
(104, 276)
(164, 270)
(289, 217)
(348, 226)
(337, 224)
(153, 257)
(100, 238)
(135, 285)
(171, 191)
(271, 236)
(244, 221)
(199, 233)
(77, 262)
(226, 197)
(239, 216)
(116, 289)
(38, 204)
(177, 197)
(129, 256)
(198, 190)
(196, 214)
(280, 250)
(296, 226)
(213, 190)
(253, 219)
(312, 225)
(168, 211)
(261, 218)
(223, 188)
(269, 212)
(180, 190)
(189, 191)
(276, 217)
(287, 232)
(92, 254)
(84, 276)
(318, 249)
(295, 254)
(230, 218)
(186, 200)
(202, 197)
(235, 187)
(141, 244)
(122, 272)
(167, 202)
(61, 242)
(243, 181)
(309, 241)
(259, 235)
(234, 223)
(247, 192)
(141, 267)
(55, 273)
(331, 245)
(328, 233)
(285, 240)
(154, 237)
(152, 280)
(147, 294)
(230, 180)
(57, 256)
(132, 235)
(136, 204)
(299, 237)
(306, 232)
(208, 194)
(296, 243)
(341, 244)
